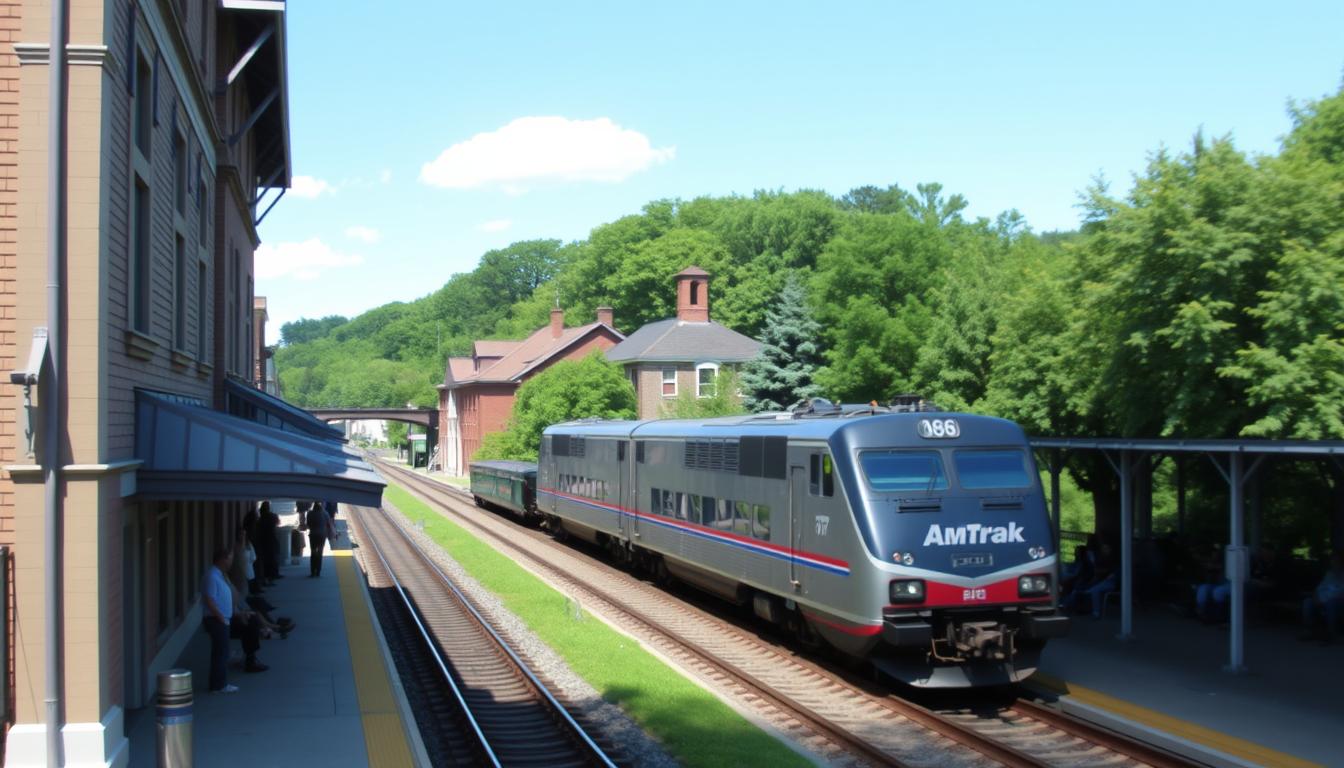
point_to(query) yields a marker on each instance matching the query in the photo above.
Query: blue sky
(424, 134)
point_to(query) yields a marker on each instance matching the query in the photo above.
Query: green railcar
(507, 485)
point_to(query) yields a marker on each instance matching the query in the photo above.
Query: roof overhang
(267, 72)
(264, 408)
(191, 452)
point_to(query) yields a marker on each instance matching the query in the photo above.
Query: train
(911, 538)
(507, 485)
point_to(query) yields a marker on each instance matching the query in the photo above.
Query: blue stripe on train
(707, 535)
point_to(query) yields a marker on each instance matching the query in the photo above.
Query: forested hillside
(1205, 301)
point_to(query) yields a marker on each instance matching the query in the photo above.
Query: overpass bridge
(425, 417)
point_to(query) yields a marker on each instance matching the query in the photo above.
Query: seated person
(1321, 611)
(1105, 579)
(1214, 594)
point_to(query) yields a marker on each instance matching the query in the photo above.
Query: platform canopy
(1237, 461)
(191, 452)
(250, 403)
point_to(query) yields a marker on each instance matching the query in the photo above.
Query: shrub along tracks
(837, 715)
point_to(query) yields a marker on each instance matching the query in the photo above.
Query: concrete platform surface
(1285, 709)
(318, 704)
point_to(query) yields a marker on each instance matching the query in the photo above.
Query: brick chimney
(557, 322)
(693, 295)
(604, 316)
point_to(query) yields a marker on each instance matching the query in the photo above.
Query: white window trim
(663, 382)
(703, 366)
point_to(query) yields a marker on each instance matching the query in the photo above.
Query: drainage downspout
(51, 399)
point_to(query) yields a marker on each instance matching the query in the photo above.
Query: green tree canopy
(785, 370)
(568, 390)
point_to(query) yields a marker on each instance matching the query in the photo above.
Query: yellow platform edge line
(1198, 734)
(385, 738)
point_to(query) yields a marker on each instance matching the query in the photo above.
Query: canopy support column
(1126, 471)
(1237, 561)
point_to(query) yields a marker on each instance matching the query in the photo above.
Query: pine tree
(783, 372)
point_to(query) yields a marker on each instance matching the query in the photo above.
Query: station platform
(1167, 685)
(330, 697)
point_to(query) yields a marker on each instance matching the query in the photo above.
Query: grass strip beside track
(694, 726)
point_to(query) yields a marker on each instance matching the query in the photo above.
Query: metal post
(1235, 565)
(173, 719)
(1126, 548)
(1180, 496)
(51, 397)
(1054, 497)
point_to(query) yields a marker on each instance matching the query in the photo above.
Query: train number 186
(938, 428)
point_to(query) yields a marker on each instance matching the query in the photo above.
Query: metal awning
(253, 404)
(1236, 460)
(191, 452)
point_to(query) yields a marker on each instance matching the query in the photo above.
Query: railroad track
(848, 718)
(485, 706)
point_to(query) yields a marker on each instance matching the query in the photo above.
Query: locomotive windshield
(991, 469)
(903, 470)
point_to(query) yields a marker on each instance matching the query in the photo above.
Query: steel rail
(928, 718)
(818, 722)
(430, 643)
(572, 726)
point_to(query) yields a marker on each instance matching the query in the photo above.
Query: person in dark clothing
(320, 526)
(222, 620)
(267, 555)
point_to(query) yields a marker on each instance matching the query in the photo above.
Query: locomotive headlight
(907, 591)
(1033, 585)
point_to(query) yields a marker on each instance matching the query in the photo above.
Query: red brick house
(477, 393)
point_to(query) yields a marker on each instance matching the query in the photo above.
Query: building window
(144, 104)
(202, 304)
(705, 376)
(140, 258)
(180, 173)
(695, 293)
(179, 293)
(669, 382)
(202, 214)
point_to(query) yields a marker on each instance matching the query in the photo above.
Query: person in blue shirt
(222, 619)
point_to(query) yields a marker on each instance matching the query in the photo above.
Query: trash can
(173, 718)
(295, 546)
(282, 542)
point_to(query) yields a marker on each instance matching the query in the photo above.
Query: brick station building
(477, 393)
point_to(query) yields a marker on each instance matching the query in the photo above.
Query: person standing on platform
(267, 549)
(1326, 603)
(320, 527)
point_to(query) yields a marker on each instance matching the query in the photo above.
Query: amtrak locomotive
(917, 540)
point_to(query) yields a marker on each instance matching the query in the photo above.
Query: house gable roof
(674, 340)
(527, 355)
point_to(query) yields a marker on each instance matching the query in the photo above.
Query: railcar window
(904, 470)
(742, 518)
(707, 514)
(821, 477)
(620, 451)
(992, 469)
(761, 529)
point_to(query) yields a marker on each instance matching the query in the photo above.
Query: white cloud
(309, 187)
(498, 225)
(363, 234)
(545, 148)
(301, 261)
(385, 176)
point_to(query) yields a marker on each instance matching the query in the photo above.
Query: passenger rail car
(916, 540)
(507, 485)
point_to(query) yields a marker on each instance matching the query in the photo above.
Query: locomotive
(915, 539)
